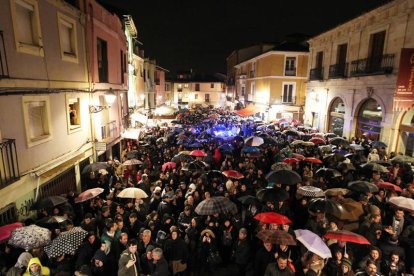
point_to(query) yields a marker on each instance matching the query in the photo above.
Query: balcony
(378, 65)
(338, 71)
(288, 100)
(316, 73)
(9, 166)
(290, 72)
(4, 68)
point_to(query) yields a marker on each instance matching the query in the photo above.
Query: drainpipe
(352, 106)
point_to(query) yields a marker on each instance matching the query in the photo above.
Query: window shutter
(24, 13)
(37, 119)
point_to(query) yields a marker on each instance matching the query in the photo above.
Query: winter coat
(262, 259)
(133, 270)
(160, 268)
(273, 270)
(176, 250)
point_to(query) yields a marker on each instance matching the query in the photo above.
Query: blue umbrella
(251, 149)
(339, 151)
(195, 145)
(226, 148)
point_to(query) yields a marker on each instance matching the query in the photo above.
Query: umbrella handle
(345, 249)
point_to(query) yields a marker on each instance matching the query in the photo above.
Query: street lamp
(110, 98)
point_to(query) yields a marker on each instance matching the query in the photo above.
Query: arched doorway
(369, 119)
(336, 117)
(407, 133)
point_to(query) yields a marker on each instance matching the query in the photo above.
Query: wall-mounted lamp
(110, 98)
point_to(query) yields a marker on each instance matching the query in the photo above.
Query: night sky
(197, 34)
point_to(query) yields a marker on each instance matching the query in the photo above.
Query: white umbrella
(313, 243)
(403, 202)
(132, 193)
(29, 237)
(254, 141)
(132, 161)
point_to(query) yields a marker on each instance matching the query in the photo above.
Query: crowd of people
(163, 234)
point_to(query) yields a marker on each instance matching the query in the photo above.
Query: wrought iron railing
(61, 184)
(288, 100)
(376, 65)
(290, 72)
(4, 67)
(8, 214)
(316, 73)
(9, 165)
(339, 70)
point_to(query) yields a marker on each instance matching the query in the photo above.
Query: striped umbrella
(216, 205)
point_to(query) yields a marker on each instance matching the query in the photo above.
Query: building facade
(354, 68)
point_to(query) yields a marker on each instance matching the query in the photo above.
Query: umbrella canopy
(198, 153)
(216, 205)
(272, 217)
(50, 222)
(338, 141)
(325, 205)
(333, 158)
(308, 144)
(94, 167)
(248, 200)
(402, 202)
(383, 163)
(379, 144)
(336, 192)
(312, 160)
(346, 236)
(280, 166)
(328, 173)
(402, 159)
(226, 148)
(233, 174)
(317, 141)
(286, 177)
(168, 165)
(250, 149)
(346, 167)
(88, 194)
(356, 147)
(296, 143)
(29, 237)
(49, 202)
(330, 135)
(313, 243)
(272, 195)
(310, 191)
(374, 167)
(181, 158)
(389, 186)
(6, 230)
(132, 192)
(298, 156)
(66, 243)
(195, 166)
(254, 141)
(132, 161)
(353, 210)
(291, 160)
(362, 187)
(276, 237)
(291, 132)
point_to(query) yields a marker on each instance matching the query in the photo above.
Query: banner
(404, 94)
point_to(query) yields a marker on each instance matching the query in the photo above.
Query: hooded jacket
(44, 271)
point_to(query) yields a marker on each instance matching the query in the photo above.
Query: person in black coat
(87, 250)
(264, 256)
(160, 264)
(146, 261)
(241, 252)
(176, 252)
(133, 226)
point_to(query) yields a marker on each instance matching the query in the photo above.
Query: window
(252, 70)
(319, 60)
(180, 88)
(186, 85)
(252, 88)
(290, 66)
(195, 96)
(67, 36)
(102, 52)
(122, 66)
(37, 120)
(26, 26)
(212, 85)
(288, 93)
(73, 113)
(243, 90)
(207, 98)
(197, 87)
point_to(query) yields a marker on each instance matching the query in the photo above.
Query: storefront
(336, 117)
(407, 133)
(369, 120)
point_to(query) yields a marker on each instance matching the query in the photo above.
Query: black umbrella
(363, 187)
(248, 200)
(94, 167)
(379, 144)
(291, 133)
(226, 148)
(346, 167)
(196, 166)
(49, 202)
(182, 157)
(283, 176)
(333, 158)
(339, 141)
(373, 167)
(383, 163)
(325, 205)
(328, 173)
(272, 194)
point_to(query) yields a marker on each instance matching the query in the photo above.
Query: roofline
(271, 53)
(161, 68)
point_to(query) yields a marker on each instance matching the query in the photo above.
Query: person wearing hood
(129, 262)
(35, 268)
(99, 266)
(21, 265)
(176, 252)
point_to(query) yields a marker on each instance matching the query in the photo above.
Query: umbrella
(317, 141)
(353, 210)
(374, 167)
(291, 160)
(310, 191)
(195, 145)
(379, 144)
(308, 144)
(326, 148)
(226, 148)
(49, 202)
(233, 174)
(346, 167)
(402, 159)
(276, 237)
(389, 186)
(195, 166)
(50, 222)
(132, 161)
(336, 192)
(185, 152)
(6, 230)
(313, 243)
(272, 194)
(198, 153)
(181, 158)
(248, 200)
(280, 166)
(362, 187)
(330, 135)
(325, 205)
(341, 151)
(297, 142)
(168, 165)
(88, 194)
(132, 192)
(66, 243)
(382, 163)
(402, 202)
(338, 141)
(298, 156)
(312, 160)
(254, 141)
(161, 140)
(328, 173)
(291, 133)
(346, 236)
(94, 167)
(29, 237)
(215, 205)
(286, 177)
(250, 149)
(272, 217)
(356, 147)
(215, 174)
(333, 158)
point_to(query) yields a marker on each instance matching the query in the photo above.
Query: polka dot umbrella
(66, 243)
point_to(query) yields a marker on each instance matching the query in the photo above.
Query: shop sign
(404, 93)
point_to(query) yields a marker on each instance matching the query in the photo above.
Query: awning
(131, 133)
(164, 110)
(250, 110)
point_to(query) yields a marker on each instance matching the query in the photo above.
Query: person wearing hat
(21, 265)
(166, 206)
(34, 267)
(346, 267)
(176, 252)
(191, 189)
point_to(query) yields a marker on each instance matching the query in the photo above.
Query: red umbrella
(198, 153)
(233, 174)
(170, 165)
(272, 217)
(389, 186)
(291, 160)
(5, 230)
(313, 160)
(346, 236)
(298, 156)
(317, 140)
(88, 194)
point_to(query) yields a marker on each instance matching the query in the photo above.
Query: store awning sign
(404, 94)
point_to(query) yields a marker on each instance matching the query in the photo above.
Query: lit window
(195, 96)
(212, 85)
(290, 66)
(288, 93)
(36, 112)
(26, 25)
(73, 112)
(67, 34)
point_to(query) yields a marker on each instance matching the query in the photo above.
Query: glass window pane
(24, 24)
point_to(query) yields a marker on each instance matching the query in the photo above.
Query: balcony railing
(288, 100)
(290, 72)
(108, 130)
(4, 67)
(9, 166)
(337, 71)
(377, 65)
(316, 73)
